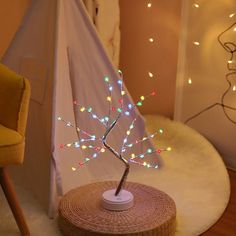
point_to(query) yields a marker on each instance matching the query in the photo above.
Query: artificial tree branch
(119, 156)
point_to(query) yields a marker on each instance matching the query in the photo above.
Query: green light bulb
(106, 78)
(139, 104)
(149, 150)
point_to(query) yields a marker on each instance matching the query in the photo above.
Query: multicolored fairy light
(69, 124)
(89, 110)
(145, 164)
(117, 108)
(145, 138)
(149, 151)
(127, 135)
(140, 103)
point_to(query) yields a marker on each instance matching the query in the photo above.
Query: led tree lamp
(117, 199)
(114, 199)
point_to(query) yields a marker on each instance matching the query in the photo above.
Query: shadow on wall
(11, 15)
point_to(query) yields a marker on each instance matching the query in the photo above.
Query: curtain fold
(106, 17)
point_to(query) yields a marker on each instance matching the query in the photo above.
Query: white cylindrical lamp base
(123, 201)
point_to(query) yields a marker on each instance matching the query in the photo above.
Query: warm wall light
(82, 109)
(234, 28)
(149, 5)
(150, 74)
(230, 61)
(196, 5)
(151, 40)
(189, 81)
(234, 88)
(196, 43)
(231, 15)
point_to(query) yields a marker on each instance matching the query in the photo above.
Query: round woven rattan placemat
(81, 213)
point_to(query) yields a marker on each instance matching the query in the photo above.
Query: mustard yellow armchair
(14, 101)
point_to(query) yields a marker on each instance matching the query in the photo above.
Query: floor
(185, 179)
(226, 226)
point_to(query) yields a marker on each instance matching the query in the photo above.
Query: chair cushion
(11, 147)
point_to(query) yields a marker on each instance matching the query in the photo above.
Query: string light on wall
(196, 43)
(150, 74)
(230, 47)
(196, 5)
(151, 40)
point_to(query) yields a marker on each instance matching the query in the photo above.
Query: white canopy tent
(58, 49)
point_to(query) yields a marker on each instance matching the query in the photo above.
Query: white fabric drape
(106, 17)
(58, 49)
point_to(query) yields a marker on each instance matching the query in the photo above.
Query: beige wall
(139, 56)
(11, 14)
(206, 65)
